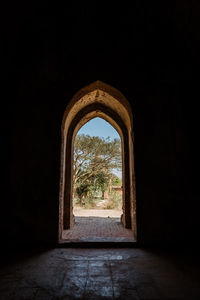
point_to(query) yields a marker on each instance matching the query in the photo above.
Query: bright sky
(99, 127)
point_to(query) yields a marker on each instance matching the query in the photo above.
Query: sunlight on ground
(102, 213)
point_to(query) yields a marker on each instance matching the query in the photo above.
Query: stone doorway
(97, 100)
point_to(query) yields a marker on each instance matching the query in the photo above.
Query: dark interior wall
(150, 53)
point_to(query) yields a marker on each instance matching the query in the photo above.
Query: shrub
(114, 202)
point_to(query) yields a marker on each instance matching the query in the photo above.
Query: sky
(99, 127)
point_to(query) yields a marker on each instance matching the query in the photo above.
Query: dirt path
(112, 213)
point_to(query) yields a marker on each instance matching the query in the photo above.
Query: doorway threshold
(96, 242)
(98, 230)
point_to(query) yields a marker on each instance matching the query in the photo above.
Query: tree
(116, 181)
(82, 190)
(94, 160)
(101, 182)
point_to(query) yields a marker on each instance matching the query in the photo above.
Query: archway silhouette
(97, 100)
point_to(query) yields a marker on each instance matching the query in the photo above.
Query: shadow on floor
(100, 274)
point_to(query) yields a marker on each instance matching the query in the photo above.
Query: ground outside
(98, 225)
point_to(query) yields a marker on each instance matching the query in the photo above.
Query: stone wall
(151, 57)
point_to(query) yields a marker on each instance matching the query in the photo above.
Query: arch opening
(97, 100)
(97, 173)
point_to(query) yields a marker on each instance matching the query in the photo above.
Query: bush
(89, 202)
(114, 202)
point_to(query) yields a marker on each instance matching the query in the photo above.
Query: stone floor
(67, 273)
(98, 229)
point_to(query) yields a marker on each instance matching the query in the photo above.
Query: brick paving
(93, 226)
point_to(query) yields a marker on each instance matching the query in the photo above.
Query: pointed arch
(97, 100)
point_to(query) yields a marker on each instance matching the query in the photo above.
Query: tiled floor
(135, 274)
(98, 229)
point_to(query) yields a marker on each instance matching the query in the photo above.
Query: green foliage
(116, 181)
(95, 154)
(82, 189)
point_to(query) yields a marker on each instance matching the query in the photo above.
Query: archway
(97, 177)
(97, 100)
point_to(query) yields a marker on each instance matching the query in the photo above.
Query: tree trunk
(80, 197)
